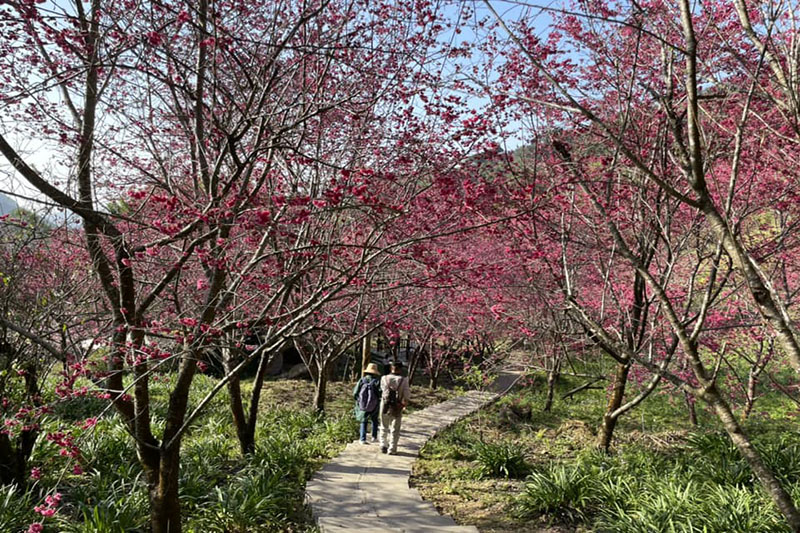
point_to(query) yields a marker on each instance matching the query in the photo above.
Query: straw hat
(372, 368)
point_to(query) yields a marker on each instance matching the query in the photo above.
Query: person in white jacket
(395, 394)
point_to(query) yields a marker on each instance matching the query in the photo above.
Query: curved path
(362, 489)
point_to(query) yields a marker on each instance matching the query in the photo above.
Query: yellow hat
(372, 368)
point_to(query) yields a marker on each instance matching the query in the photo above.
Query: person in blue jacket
(367, 394)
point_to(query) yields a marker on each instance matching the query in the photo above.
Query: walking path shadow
(362, 489)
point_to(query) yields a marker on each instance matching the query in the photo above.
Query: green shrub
(208, 459)
(197, 481)
(16, 509)
(281, 453)
(324, 436)
(717, 460)
(457, 443)
(641, 491)
(782, 456)
(340, 429)
(641, 462)
(681, 507)
(713, 445)
(267, 494)
(615, 491)
(219, 489)
(500, 460)
(559, 490)
(668, 484)
(123, 508)
(80, 408)
(109, 448)
(96, 487)
(255, 500)
(670, 506)
(741, 510)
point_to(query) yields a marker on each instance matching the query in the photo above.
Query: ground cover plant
(664, 474)
(219, 488)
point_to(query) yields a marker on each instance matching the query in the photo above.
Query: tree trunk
(366, 352)
(692, 409)
(320, 388)
(258, 384)
(8, 461)
(434, 372)
(412, 364)
(752, 379)
(768, 480)
(15, 453)
(14, 457)
(614, 402)
(165, 509)
(245, 425)
(417, 355)
(552, 379)
(235, 401)
(769, 303)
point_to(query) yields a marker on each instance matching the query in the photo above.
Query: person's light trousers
(390, 424)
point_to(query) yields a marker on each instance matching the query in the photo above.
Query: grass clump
(119, 506)
(642, 491)
(16, 508)
(253, 500)
(559, 490)
(500, 460)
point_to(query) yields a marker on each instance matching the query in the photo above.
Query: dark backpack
(391, 403)
(368, 395)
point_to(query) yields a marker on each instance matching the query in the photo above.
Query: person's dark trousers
(373, 416)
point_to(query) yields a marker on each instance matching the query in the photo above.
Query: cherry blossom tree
(44, 280)
(672, 101)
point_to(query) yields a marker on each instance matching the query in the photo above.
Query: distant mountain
(7, 205)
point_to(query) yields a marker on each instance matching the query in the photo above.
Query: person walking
(395, 394)
(367, 394)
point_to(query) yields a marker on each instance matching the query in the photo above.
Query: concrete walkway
(362, 489)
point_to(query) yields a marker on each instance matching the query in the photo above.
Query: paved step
(362, 489)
